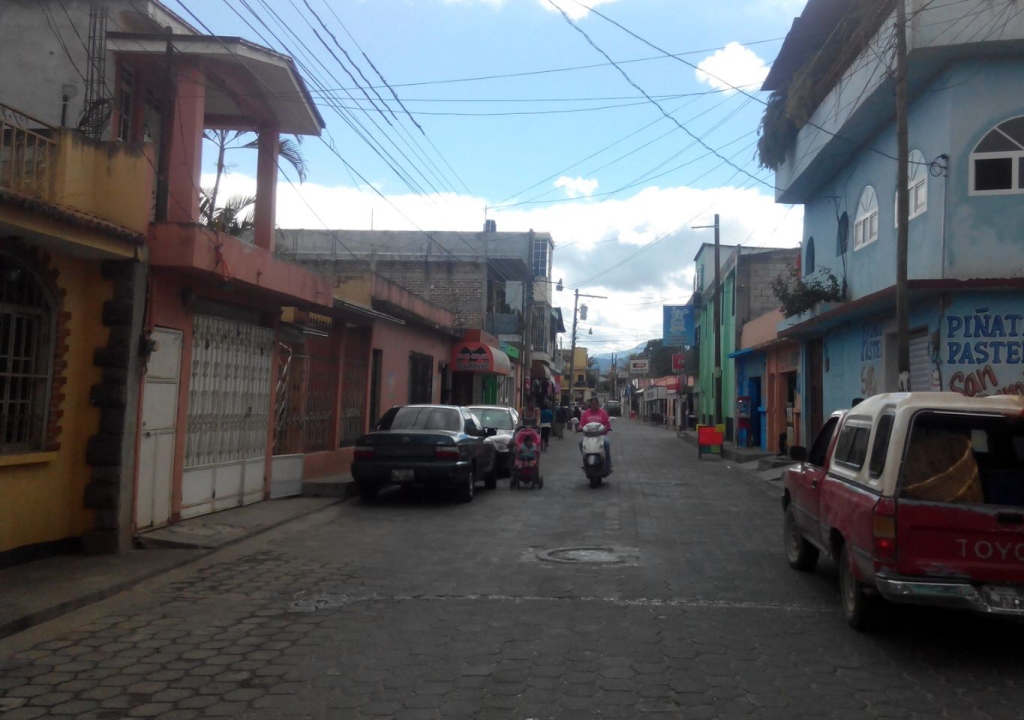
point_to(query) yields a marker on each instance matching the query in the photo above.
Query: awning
(540, 371)
(481, 358)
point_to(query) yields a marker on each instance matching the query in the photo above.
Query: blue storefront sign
(678, 325)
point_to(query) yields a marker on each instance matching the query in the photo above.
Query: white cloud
(577, 186)
(731, 67)
(573, 9)
(599, 244)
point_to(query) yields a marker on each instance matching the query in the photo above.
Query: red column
(266, 189)
(186, 146)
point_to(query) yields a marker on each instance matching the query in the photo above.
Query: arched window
(917, 186)
(843, 234)
(865, 227)
(809, 256)
(26, 353)
(995, 165)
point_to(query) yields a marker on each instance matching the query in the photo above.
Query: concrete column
(186, 146)
(266, 189)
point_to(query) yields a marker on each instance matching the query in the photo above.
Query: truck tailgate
(982, 543)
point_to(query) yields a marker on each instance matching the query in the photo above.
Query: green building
(746, 275)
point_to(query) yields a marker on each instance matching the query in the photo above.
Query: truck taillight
(362, 453)
(446, 452)
(883, 531)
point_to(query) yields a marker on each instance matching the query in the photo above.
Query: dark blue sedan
(439, 446)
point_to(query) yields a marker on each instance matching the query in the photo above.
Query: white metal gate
(228, 415)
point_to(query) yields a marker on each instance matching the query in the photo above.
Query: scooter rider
(595, 413)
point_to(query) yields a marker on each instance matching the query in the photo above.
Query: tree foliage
(798, 295)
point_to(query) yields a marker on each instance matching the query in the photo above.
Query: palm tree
(224, 140)
(235, 217)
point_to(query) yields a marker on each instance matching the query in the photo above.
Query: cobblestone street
(415, 607)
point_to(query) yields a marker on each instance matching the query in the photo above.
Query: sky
(525, 121)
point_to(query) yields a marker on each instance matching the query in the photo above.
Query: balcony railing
(28, 153)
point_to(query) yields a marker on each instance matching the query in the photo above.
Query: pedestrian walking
(546, 419)
(561, 415)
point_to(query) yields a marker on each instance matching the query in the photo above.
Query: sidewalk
(755, 461)
(40, 591)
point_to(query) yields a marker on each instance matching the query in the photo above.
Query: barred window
(26, 351)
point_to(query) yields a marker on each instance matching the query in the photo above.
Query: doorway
(159, 421)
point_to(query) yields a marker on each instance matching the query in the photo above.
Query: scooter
(593, 453)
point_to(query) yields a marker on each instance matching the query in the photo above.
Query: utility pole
(572, 349)
(717, 385)
(615, 376)
(902, 203)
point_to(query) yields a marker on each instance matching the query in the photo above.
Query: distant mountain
(604, 360)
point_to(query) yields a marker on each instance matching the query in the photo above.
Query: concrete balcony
(54, 177)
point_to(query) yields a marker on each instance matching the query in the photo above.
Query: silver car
(504, 421)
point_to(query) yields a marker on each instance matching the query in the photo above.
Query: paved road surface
(412, 607)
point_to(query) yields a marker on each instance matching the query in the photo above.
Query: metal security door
(228, 415)
(159, 413)
(920, 365)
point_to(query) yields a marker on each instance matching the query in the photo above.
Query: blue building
(966, 131)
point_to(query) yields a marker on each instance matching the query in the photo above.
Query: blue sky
(416, 43)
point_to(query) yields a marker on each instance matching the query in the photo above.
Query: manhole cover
(589, 555)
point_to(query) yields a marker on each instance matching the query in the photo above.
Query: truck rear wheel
(801, 554)
(859, 608)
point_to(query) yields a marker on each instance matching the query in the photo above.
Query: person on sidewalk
(561, 415)
(595, 413)
(546, 419)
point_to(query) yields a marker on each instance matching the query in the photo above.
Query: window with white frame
(865, 227)
(541, 256)
(917, 186)
(26, 351)
(996, 167)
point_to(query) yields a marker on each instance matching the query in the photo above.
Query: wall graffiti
(867, 381)
(984, 352)
(871, 342)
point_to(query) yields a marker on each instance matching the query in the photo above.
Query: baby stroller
(526, 474)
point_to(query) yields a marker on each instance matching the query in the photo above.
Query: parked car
(504, 421)
(918, 498)
(428, 445)
(613, 408)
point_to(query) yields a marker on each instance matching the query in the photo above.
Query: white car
(504, 421)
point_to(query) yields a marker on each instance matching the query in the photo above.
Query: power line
(646, 176)
(573, 68)
(654, 102)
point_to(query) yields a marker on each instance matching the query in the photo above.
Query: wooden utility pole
(902, 203)
(163, 170)
(572, 351)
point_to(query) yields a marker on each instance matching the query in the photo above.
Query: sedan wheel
(468, 489)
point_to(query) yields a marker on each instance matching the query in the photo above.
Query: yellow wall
(42, 501)
(354, 289)
(109, 180)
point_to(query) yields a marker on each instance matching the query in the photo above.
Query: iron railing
(28, 153)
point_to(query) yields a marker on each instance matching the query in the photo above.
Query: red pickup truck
(918, 498)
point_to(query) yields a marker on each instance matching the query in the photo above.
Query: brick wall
(759, 273)
(457, 286)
